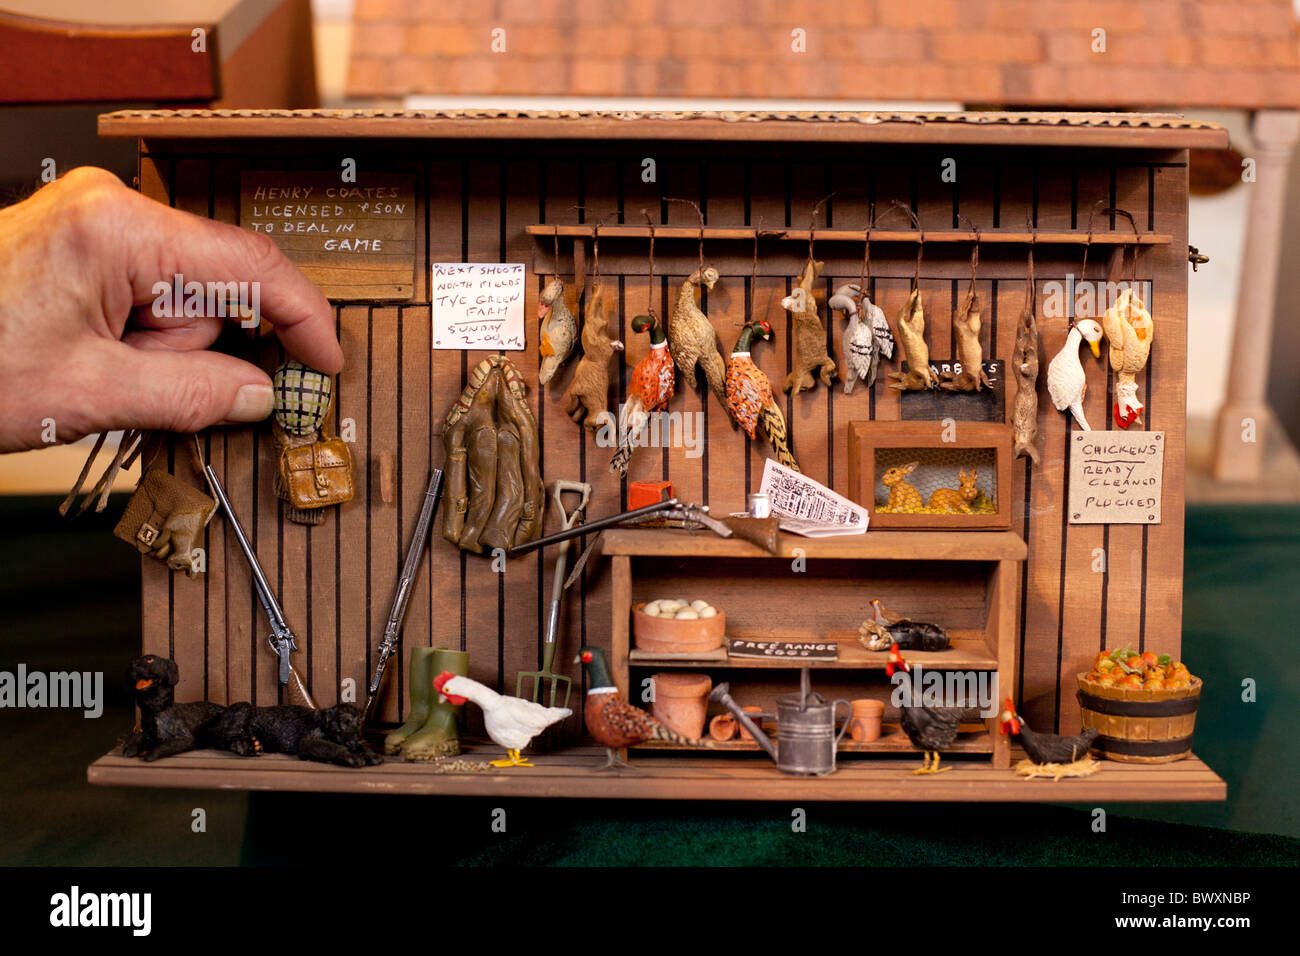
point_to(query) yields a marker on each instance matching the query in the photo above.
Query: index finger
(167, 242)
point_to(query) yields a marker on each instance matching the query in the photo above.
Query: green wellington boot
(421, 689)
(439, 735)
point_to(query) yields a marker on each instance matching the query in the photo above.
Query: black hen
(1046, 748)
(933, 729)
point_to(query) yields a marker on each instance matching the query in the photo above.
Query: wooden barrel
(1140, 726)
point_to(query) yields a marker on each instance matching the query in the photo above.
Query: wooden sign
(356, 241)
(1116, 477)
(784, 650)
(986, 405)
(477, 305)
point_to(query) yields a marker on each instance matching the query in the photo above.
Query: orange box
(642, 493)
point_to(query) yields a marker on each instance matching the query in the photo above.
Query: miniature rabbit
(956, 500)
(902, 496)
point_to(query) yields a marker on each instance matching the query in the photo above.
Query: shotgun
(414, 552)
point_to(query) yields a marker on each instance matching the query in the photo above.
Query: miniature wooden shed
(1034, 603)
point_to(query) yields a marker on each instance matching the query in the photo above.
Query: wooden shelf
(1074, 238)
(873, 545)
(663, 776)
(969, 651)
(971, 739)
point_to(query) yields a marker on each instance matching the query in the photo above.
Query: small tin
(760, 504)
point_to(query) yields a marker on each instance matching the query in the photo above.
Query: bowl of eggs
(678, 626)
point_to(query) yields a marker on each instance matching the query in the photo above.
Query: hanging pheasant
(612, 720)
(654, 379)
(749, 395)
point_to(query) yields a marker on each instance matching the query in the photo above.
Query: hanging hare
(970, 353)
(810, 353)
(587, 398)
(911, 335)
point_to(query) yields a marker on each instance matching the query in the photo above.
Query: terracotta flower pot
(681, 701)
(745, 734)
(722, 727)
(864, 726)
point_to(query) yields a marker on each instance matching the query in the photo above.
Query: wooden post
(1239, 430)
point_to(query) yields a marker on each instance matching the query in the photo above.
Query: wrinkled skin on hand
(79, 340)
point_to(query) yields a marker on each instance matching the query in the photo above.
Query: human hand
(80, 343)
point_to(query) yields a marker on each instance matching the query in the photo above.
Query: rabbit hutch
(1057, 564)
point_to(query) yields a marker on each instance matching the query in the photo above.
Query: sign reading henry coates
(1116, 477)
(354, 240)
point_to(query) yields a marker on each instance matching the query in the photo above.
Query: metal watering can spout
(721, 694)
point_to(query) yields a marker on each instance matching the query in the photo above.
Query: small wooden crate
(1140, 726)
(875, 446)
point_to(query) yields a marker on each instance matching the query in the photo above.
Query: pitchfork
(567, 521)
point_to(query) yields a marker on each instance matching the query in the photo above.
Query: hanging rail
(986, 237)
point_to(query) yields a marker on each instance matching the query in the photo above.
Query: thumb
(175, 391)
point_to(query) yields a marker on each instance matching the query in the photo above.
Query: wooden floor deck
(570, 773)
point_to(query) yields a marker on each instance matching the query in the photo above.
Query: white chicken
(866, 337)
(1066, 381)
(511, 722)
(1129, 330)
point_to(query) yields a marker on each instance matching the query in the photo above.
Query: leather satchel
(165, 518)
(316, 474)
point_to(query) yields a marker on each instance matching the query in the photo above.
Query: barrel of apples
(1140, 726)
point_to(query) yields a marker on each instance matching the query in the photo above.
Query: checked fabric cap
(302, 397)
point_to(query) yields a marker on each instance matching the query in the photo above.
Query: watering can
(807, 739)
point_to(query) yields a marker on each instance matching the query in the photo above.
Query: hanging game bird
(691, 336)
(749, 395)
(612, 720)
(866, 338)
(651, 389)
(1129, 331)
(559, 330)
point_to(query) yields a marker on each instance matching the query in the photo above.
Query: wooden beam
(1077, 238)
(874, 545)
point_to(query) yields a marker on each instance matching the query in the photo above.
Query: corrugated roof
(970, 127)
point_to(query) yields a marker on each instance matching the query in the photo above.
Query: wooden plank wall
(336, 580)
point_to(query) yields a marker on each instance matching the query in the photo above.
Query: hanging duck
(1066, 381)
(866, 338)
(749, 395)
(1129, 331)
(651, 388)
(559, 330)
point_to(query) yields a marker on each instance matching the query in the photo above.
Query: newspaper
(807, 507)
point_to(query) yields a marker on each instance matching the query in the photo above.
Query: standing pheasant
(691, 337)
(559, 330)
(654, 380)
(612, 720)
(749, 395)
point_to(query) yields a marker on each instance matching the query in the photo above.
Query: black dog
(166, 727)
(329, 736)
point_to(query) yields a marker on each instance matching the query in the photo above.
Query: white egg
(651, 609)
(688, 614)
(699, 604)
(709, 612)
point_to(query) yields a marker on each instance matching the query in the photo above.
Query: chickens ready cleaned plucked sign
(477, 305)
(1116, 477)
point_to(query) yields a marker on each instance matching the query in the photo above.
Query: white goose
(1066, 382)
